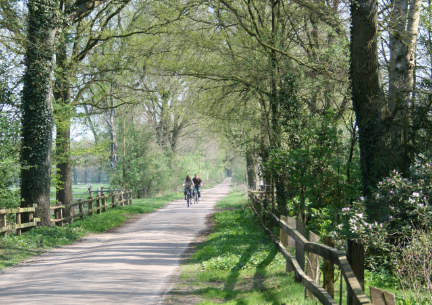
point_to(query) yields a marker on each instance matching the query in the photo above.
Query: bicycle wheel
(196, 197)
(188, 199)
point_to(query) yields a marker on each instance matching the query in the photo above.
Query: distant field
(80, 190)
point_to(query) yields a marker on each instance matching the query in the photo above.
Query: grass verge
(15, 249)
(236, 264)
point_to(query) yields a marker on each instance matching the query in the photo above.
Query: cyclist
(188, 184)
(197, 185)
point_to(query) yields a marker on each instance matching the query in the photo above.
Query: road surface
(134, 264)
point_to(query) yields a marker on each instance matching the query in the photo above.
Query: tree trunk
(37, 114)
(91, 124)
(251, 169)
(403, 38)
(63, 93)
(371, 114)
(110, 119)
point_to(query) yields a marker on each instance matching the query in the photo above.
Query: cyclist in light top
(188, 184)
(198, 184)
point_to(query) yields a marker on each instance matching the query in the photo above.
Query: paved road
(132, 265)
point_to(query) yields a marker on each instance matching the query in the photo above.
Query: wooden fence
(6, 228)
(88, 206)
(292, 234)
(91, 205)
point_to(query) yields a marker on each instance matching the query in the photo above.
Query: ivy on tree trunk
(37, 114)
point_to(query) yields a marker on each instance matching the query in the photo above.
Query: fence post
(300, 253)
(379, 296)
(121, 198)
(282, 235)
(356, 257)
(34, 214)
(113, 200)
(3, 221)
(130, 196)
(60, 214)
(328, 268)
(292, 223)
(98, 202)
(31, 215)
(81, 209)
(313, 263)
(90, 204)
(70, 211)
(18, 222)
(55, 214)
(284, 240)
(125, 197)
(104, 201)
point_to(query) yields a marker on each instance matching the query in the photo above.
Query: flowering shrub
(379, 253)
(405, 207)
(406, 201)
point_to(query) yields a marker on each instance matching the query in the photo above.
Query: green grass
(15, 249)
(238, 264)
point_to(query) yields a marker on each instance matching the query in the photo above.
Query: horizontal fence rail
(297, 263)
(89, 206)
(6, 228)
(97, 204)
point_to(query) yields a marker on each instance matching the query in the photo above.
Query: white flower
(377, 195)
(362, 198)
(359, 215)
(415, 194)
(420, 205)
(355, 228)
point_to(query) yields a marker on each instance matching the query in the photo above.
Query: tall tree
(367, 96)
(37, 116)
(404, 26)
(44, 19)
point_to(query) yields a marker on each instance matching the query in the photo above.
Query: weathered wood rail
(297, 263)
(86, 206)
(6, 228)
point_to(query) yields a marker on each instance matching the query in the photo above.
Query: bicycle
(189, 197)
(195, 195)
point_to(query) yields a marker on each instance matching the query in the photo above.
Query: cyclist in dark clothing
(197, 185)
(188, 184)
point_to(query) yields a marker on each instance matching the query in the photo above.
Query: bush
(404, 207)
(415, 268)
